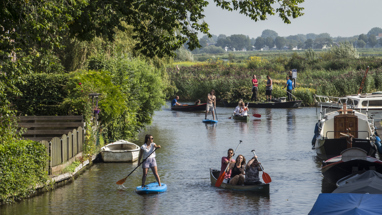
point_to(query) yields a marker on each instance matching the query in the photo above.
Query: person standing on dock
(289, 86)
(268, 89)
(211, 104)
(146, 149)
(254, 88)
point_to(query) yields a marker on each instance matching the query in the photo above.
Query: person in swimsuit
(146, 149)
(211, 104)
(237, 175)
(252, 172)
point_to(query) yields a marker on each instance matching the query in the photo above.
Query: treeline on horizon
(271, 40)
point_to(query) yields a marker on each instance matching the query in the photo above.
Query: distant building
(379, 36)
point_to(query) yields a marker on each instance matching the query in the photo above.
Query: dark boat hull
(291, 104)
(335, 171)
(333, 147)
(241, 118)
(201, 107)
(259, 189)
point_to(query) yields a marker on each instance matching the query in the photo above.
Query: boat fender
(378, 144)
(316, 133)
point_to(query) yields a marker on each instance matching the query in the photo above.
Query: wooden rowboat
(259, 189)
(120, 151)
(241, 118)
(200, 107)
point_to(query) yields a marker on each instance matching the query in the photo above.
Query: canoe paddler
(175, 101)
(224, 163)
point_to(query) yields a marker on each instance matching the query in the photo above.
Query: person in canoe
(175, 101)
(146, 149)
(211, 104)
(237, 174)
(241, 109)
(252, 172)
(225, 161)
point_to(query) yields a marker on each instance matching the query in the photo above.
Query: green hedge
(41, 94)
(23, 166)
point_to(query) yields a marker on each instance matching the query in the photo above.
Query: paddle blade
(220, 180)
(266, 178)
(256, 115)
(120, 182)
(229, 117)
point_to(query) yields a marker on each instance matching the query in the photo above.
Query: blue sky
(343, 18)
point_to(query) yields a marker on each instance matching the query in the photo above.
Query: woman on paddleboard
(146, 149)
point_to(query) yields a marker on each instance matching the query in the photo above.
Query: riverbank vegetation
(336, 72)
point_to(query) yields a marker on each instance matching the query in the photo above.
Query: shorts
(149, 162)
(268, 92)
(209, 107)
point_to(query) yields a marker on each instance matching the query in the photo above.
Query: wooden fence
(63, 136)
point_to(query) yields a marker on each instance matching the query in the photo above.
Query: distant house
(244, 50)
(226, 48)
(379, 36)
(265, 48)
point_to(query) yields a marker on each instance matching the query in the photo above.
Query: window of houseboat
(372, 103)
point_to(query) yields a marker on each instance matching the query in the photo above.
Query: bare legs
(155, 172)
(213, 114)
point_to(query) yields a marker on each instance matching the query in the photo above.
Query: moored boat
(261, 188)
(241, 118)
(120, 151)
(367, 182)
(200, 107)
(367, 101)
(276, 103)
(329, 139)
(351, 161)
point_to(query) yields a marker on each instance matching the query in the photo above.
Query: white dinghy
(120, 151)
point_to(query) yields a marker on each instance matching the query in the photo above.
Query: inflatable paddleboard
(151, 188)
(209, 121)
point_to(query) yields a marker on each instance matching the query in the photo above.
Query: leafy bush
(344, 50)
(23, 166)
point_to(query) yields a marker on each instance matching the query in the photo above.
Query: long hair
(243, 162)
(147, 138)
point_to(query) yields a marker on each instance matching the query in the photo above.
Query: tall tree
(372, 41)
(311, 36)
(260, 43)
(269, 33)
(363, 37)
(269, 42)
(280, 42)
(376, 31)
(361, 43)
(239, 41)
(309, 44)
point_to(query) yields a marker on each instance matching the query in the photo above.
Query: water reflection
(243, 127)
(211, 132)
(175, 113)
(268, 114)
(291, 120)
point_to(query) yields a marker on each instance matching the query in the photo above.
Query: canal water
(281, 138)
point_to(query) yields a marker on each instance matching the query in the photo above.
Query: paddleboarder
(146, 149)
(211, 104)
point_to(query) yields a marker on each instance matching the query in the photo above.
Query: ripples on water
(281, 138)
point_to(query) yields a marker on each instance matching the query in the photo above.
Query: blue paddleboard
(151, 188)
(209, 121)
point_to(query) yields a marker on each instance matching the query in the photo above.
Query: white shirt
(241, 111)
(147, 150)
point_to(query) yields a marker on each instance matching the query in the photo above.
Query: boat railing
(326, 134)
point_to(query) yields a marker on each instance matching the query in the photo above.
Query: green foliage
(23, 166)
(71, 167)
(344, 50)
(41, 94)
